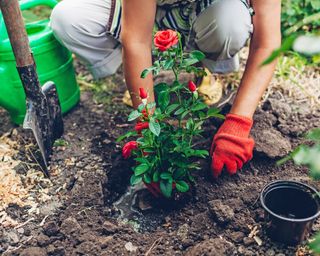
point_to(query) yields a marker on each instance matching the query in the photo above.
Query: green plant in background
(304, 12)
(300, 25)
(163, 140)
(308, 155)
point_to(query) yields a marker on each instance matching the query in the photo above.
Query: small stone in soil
(130, 247)
(70, 226)
(12, 237)
(216, 246)
(104, 241)
(247, 241)
(51, 229)
(237, 236)
(33, 251)
(223, 214)
(109, 228)
(183, 231)
(43, 240)
(20, 230)
(270, 252)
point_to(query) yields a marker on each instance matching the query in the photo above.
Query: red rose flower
(128, 147)
(143, 93)
(192, 86)
(141, 126)
(165, 39)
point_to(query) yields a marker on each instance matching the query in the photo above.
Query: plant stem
(303, 22)
(181, 50)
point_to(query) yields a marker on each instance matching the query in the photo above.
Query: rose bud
(128, 147)
(141, 126)
(192, 86)
(143, 93)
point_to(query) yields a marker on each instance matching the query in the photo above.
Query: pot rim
(264, 190)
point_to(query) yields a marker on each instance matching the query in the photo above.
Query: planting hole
(133, 205)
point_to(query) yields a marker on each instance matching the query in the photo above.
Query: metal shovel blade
(43, 115)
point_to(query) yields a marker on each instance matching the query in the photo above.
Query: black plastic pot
(290, 209)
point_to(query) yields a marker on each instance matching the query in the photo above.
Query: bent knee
(223, 28)
(64, 22)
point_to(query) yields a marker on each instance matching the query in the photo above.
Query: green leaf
(190, 124)
(184, 114)
(301, 155)
(60, 142)
(154, 127)
(141, 107)
(163, 99)
(198, 125)
(200, 153)
(142, 160)
(156, 176)
(198, 55)
(141, 169)
(191, 178)
(179, 173)
(166, 175)
(171, 108)
(147, 71)
(168, 64)
(147, 178)
(179, 111)
(315, 244)
(286, 46)
(158, 88)
(189, 62)
(214, 112)
(201, 115)
(134, 115)
(166, 188)
(151, 105)
(135, 180)
(182, 186)
(148, 150)
(127, 135)
(199, 106)
(314, 134)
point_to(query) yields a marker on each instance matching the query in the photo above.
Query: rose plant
(164, 134)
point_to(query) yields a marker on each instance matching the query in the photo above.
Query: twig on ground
(153, 246)
(34, 156)
(227, 100)
(24, 223)
(43, 220)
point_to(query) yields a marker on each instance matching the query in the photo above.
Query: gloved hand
(232, 146)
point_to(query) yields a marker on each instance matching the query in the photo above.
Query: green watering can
(54, 63)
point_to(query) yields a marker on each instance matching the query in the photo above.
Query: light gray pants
(220, 31)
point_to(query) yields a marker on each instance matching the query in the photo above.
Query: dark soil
(89, 175)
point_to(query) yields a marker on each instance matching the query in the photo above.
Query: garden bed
(74, 212)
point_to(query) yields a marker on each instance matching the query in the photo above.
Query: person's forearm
(254, 82)
(137, 57)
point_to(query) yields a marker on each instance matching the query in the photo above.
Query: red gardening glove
(232, 146)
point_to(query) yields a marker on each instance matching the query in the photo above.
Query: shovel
(43, 114)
